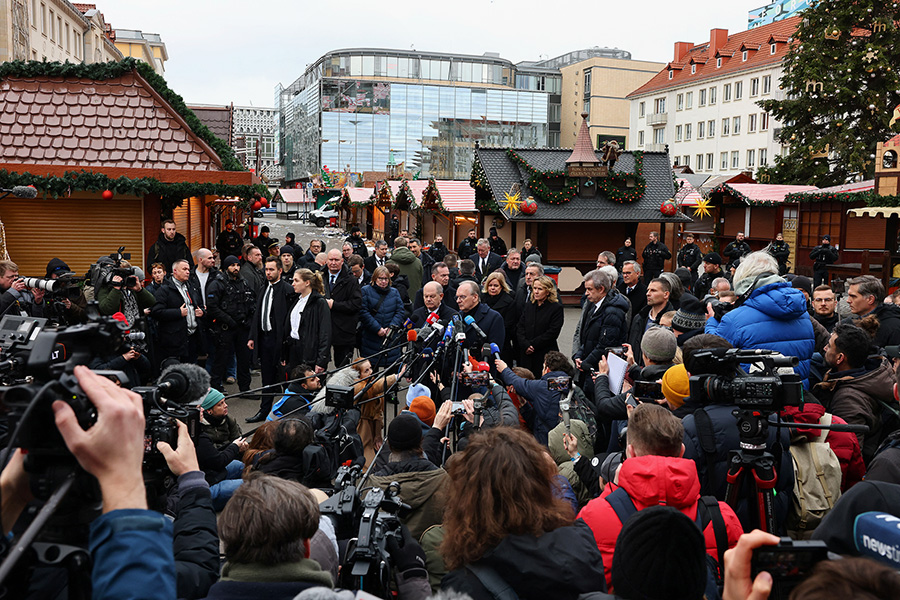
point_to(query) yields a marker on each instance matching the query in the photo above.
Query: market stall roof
(359, 195)
(456, 196)
(714, 181)
(503, 171)
(874, 211)
(761, 193)
(847, 188)
(687, 195)
(293, 196)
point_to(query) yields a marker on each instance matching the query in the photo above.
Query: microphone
(432, 318)
(486, 351)
(183, 384)
(21, 191)
(411, 336)
(432, 331)
(408, 324)
(483, 366)
(495, 350)
(564, 404)
(877, 535)
(471, 323)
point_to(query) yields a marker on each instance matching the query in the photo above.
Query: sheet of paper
(617, 369)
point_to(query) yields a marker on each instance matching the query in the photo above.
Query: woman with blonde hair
(382, 309)
(539, 325)
(308, 327)
(496, 294)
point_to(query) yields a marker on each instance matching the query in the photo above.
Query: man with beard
(169, 247)
(358, 243)
(231, 303)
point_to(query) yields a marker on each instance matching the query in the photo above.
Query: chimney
(717, 39)
(681, 49)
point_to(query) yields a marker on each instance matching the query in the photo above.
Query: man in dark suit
(433, 301)
(441, 274)
(486, 262)
(523, 290)
(178, 311)
(632, 288)
(487, 319)
(267, 331)
(357, 267)
(344, 297)
(378, 258)
(603, 322)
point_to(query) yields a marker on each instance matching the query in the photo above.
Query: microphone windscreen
(186, 383)
(24, 191)
(495, 348)
(412, 335)
(483, 366)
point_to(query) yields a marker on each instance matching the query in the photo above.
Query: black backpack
(708, 511)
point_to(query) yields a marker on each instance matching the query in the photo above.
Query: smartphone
(789, 563)
(631, 401)
(648, 390)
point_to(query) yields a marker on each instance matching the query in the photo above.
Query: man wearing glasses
(824, 304)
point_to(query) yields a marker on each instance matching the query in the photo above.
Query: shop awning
(874, 211)
(359, 195)
(457, 196)
(688, 194)
(294, 196)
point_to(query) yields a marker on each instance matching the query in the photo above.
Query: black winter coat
(889, 329)
(347, 296)
(171, 326)
(195, 543)
(704, 282)
(490, 322)
(690, 256)
(637, 298)
(213, 461)
(504, 304)
(438, 251)
(655, 257)
(603, 329)
(359, 245)
(624, 254)
(735, 251)
(539, 326)
(230, 302)
(638, 327)
(314, 345)
(166, 252)
(823, 255)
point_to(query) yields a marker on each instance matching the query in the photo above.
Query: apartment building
(703, 104)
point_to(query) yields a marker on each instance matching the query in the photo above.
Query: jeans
(222, 491)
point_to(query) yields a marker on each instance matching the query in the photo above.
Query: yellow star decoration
(702, 209)
(511, 204)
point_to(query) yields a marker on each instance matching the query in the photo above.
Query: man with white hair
(772, 315)
(603, 323)
(486, 262)
(488, 320)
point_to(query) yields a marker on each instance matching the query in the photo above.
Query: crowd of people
(531, 466)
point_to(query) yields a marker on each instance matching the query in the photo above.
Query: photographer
(70, 297)
(12, 289)
(127, 297)
(133, 363)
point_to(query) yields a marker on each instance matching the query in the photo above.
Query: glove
(407, 555)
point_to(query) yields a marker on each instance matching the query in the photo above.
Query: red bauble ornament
(264, 202)
(529, 206)
(107, 194)
(257, 205)
(668, 208)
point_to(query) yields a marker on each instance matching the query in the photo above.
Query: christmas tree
(841, 84)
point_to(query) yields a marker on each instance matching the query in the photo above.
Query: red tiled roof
(119, 123)
(217, 119)
(583, 152)
(761, 37)
(83, 8)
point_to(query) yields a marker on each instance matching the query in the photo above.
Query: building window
(68, 43)
(767, 84)
(763, 157)
(751, 123)
(699, 162)
(735, 159)
(751, 159)
(659, 135)
(709, 161)
(712, 96)
(52, 26)
(725, 126)
(43, 18)
(736, 126)
(586, 109)
(59, 31)
(702, 98)
(773, 48)
(640, 138)
(763, 121)
(693, 69)
(726, 92)
(723, 161)
(679, 102)
(678, 133)
(689, 100)
(701, 130)
(711, 129)
(744, 55)
(677, 161)
(754, 87)
(687, 160)
(687, 132)
(738, 90)
(659, 105)
(587, 82)
(671, 74)
(642, 109)
(719, 62)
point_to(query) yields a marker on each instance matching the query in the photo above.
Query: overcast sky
(226, 51)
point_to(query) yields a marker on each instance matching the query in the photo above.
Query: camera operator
(132, 301)
(71, 296)
(133, 362)
(13, 300)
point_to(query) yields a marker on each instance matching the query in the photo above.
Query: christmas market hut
(111, 151)
(574, 204)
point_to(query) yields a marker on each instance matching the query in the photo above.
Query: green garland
(612, 186)
(438, 205)
(20, 69)
(406, 193)
(868, 197)
(171, 194)
(484, 197)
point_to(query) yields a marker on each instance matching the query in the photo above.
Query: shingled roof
(502, 172)
(118, 122)
(218, 119)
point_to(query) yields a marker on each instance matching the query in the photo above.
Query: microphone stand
(454, 386)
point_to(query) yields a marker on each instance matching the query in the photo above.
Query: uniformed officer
(230, 303)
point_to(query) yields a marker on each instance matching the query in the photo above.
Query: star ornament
(702, 209)
(511, 204)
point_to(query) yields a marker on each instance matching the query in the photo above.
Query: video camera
(107, 268)
(717, 378)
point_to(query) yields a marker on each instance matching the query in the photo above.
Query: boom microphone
(183, 384)
(471, 323)
(21, 191)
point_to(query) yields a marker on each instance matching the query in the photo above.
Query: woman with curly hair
(504, 518)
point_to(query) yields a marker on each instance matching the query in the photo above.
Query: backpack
(708, 511)
(817, 482)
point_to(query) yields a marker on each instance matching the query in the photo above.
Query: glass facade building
(361, 108)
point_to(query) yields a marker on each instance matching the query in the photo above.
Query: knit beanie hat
(802, 283)
(676, 385)
(423, 406)
(213, 397)
(713, 257)
(416, 390)
(660, 555)
(404, 433)
(659, 344)
(230, 260)
(691, 314)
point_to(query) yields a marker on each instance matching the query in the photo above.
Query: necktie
(333, 277)
(483, 265)
(267, 305)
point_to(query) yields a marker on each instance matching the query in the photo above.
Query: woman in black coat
(497, 296)
(625, 253)
(539, 325)
(308, 327)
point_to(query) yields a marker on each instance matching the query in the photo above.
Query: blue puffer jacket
(391, 312)
(774, 317)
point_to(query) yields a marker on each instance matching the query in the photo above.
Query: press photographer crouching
(63, 300)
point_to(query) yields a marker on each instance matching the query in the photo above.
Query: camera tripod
(752, 457)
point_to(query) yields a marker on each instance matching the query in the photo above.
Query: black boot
(259, 416)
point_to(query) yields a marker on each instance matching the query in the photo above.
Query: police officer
(230, 303)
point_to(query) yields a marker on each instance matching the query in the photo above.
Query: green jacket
(223, 432)
(110, 300)
(424, 491)
(409, 266)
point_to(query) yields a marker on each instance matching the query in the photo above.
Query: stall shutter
(195, 240)
(76, 230)
(182, 220)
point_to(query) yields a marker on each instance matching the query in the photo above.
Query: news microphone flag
(877, 535)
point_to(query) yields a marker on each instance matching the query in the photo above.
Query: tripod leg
(765, 478)
(734, 477)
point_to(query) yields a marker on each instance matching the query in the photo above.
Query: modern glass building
(361, 108)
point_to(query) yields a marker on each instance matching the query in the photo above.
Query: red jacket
(844, 443)
(652, 481)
